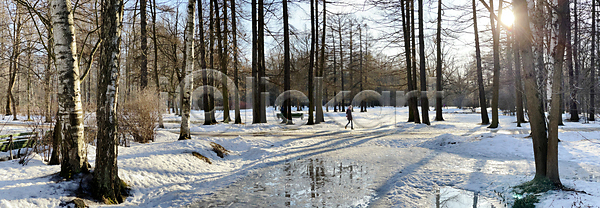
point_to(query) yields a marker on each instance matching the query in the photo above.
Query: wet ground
(305, 182)
(450, 197)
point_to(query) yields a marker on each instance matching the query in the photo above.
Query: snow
(384, 161)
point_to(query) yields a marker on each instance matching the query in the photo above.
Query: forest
(102, 73)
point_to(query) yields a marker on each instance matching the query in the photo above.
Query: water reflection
(300, 183)
(448, 197)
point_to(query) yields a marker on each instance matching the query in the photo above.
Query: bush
(138, 115)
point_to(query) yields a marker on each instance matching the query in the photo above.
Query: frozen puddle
(308, 182)
(449, 197)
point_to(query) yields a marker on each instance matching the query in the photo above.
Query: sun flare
(507, 17)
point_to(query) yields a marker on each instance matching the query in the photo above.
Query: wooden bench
(294, 115)
(17, 141)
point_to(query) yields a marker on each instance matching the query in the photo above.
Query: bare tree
(414, 60)
(438, 67)
(311, 99)
(534, 104)
(320, 117)
(222, 53)
(188, 76)
(555, 110)
(496, 51)
(144, 46)
(592, 100)
(69, 98)
(286, 64)
(205, 96)
(518, 85)
(407, 54)
(238, 119)
(423, 66)
(156, 78)
(573, 111)
(14, 65)
(482, 103)
(107, 184)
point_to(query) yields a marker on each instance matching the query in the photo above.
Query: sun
(507, 17)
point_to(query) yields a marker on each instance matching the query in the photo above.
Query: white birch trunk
(184, 132)
(69, 98)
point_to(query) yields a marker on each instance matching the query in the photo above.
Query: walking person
(349, 117)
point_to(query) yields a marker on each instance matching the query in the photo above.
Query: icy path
(360, 168)
(401, 166)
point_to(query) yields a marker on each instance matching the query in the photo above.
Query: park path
(342, 169)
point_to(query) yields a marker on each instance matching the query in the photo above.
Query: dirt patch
(220, 150)
(199, 156)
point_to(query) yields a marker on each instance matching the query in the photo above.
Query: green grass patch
(531, 190)
(526, 202)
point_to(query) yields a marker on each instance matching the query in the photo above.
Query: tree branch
(89, 62)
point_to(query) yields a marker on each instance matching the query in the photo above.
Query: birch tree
(188, 77)
(106, 182)
(69, 97)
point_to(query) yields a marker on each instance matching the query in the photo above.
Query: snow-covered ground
(383, 162)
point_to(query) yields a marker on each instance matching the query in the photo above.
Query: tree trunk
(572, 101)
(424, 99)
(407, 54)
(556, 113)
(14, 65)
(156, 78)
(106, 181)
(222, 53)
(211, 75)
(187, 75)
(261, 59)
(69, 98)
(414, 97)
(238, 118)
(255, 65)
(592, 108)
(56, 136)
(341, 105)
(29, 69)
(482, 102)
(363, 105)
(320, 116)
(534, 104)
(496, 48)
(144, 46)
(286, 65)
(538, 49)
(577, 81)
(205, 96)
(518, 85)
(48, 79)
(438, 70)
(311, 99)
(335, 104)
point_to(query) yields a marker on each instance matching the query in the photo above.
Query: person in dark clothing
(349, 117)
